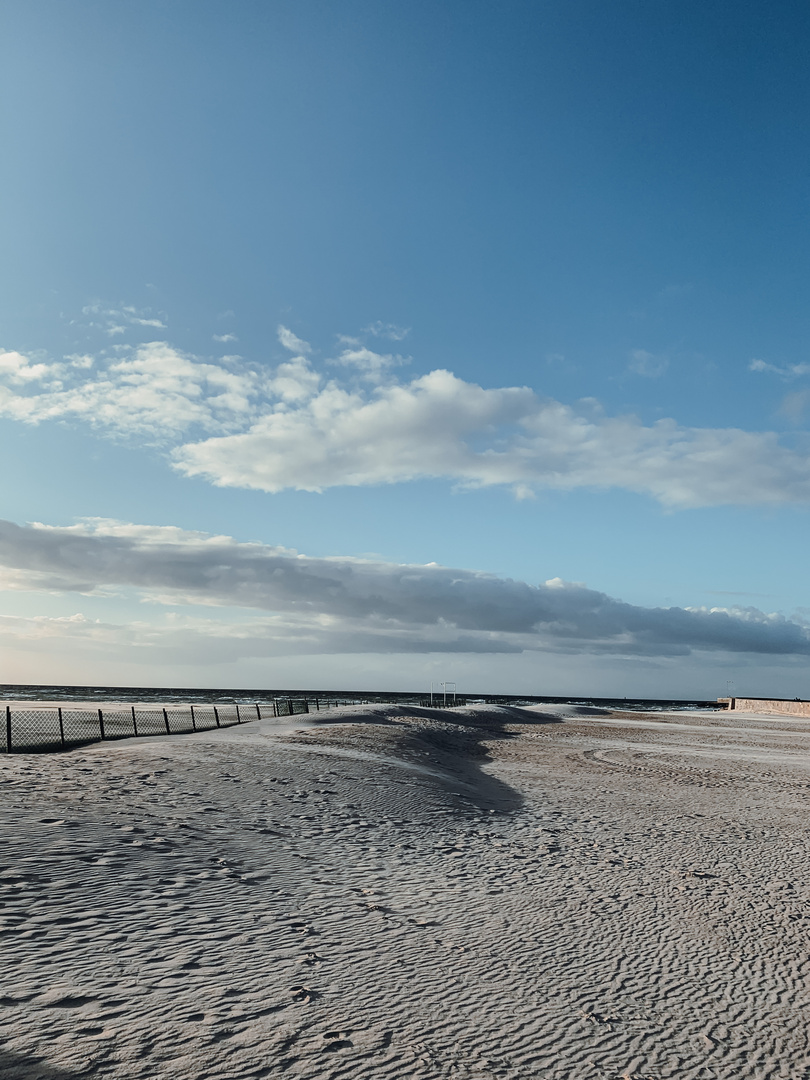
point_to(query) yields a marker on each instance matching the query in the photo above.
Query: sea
(208, 696)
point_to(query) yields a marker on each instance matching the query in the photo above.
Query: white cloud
(370, 364)
(439, 426)
(353, 605)
(294, 381)
(291, 342)
(81, 360)
(647, 364)
(242, 425)
(787, 371)
(223, 338)
(115, 321)
(19, 369)
(387, 330)
(155, 392)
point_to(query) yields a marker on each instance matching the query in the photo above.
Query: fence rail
(59, 728)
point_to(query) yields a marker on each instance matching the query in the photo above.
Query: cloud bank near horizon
(356, 423)
(346, 605)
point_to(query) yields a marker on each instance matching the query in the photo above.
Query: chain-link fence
(31, 729)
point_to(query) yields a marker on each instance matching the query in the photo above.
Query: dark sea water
(196, 695)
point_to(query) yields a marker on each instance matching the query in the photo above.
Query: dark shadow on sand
(26, 1067)
(450, 748)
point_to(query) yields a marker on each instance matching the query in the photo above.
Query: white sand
(540, 893)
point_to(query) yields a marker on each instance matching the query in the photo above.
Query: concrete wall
(767, 705)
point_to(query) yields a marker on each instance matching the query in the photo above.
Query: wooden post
(306, 706)
(216, 715)
(166, 722)
(61, 728)
(8, 728)
(101, 723)
(134, 722)
(237, 714)
(193, 721)
(258, 712)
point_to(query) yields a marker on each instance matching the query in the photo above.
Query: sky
(364, 345)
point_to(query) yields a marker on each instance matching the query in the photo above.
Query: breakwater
(774, 706)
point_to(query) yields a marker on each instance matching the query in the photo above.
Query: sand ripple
(480, 894)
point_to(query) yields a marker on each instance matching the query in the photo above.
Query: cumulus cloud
(357, 423)
(17, 368)
(369, 364)
(154, 391)
(345, 604)
(440, 426)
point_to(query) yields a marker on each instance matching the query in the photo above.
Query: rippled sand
(538, 893)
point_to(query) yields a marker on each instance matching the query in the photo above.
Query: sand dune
(392, 892)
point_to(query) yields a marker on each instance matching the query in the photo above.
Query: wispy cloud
(794, 405)
(224, 338)
(387, 330)
(347, 605)
(290, 341)
(785, 371)
(115, 321)
(648, 364)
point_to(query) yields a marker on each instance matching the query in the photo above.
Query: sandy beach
(549, 892)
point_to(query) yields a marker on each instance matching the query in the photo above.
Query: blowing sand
(393, 892)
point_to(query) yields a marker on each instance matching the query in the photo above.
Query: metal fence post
(216, 716)
(134, 722)
(8, 729)
(166, 722)
(258, 712)
(101, 723)
(237, 714)
(61, 729)
(193, 722)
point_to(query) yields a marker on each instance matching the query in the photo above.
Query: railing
(59, 728)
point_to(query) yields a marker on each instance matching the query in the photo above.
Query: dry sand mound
(411, 893)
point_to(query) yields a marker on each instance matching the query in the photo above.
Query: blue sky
(517, 289)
